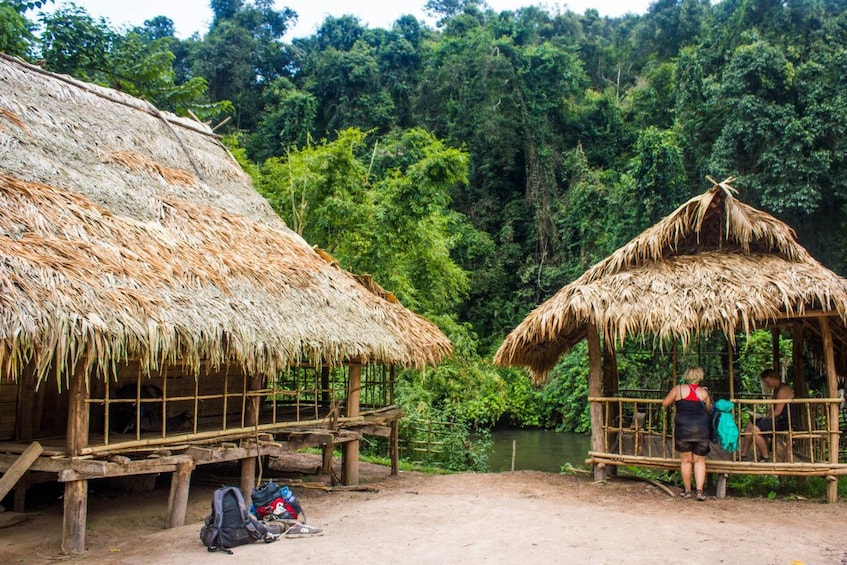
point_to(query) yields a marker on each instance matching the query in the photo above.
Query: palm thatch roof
(715, 263)
(129, 233)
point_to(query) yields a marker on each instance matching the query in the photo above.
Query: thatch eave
(747, 272)
(82, 284)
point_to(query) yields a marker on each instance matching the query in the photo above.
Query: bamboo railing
(189, 410)
(639, 432)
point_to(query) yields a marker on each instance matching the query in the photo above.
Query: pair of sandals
(686, 494)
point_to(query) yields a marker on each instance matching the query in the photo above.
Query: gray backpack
(229, 524)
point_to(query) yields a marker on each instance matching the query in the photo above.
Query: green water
(537, 450)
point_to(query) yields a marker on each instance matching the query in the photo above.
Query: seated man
(776, 417)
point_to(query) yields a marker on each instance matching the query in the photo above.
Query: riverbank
(524, 516)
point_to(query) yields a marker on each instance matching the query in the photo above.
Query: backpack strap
(218, 512)
(218, 507)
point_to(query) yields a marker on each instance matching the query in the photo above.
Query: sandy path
(523, 517)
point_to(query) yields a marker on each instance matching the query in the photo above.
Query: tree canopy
(476, 167)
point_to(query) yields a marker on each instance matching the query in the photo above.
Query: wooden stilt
(832, 392)
(76, 511)
(326, 460)
(76, 492)
(178, 497)
(394, 438)
(394, 441)
(248, 476)
(248, 465)
(25, 404)
(720, 489)
(595, 389)
(350, 450)
(20, 493)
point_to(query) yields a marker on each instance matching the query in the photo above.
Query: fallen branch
(653, 482)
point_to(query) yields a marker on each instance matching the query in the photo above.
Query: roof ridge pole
(595, 389)
(184, 147)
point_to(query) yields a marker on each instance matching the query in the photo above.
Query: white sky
(195, 15)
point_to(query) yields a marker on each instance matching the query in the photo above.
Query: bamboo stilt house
(157, 315)
(713, 265)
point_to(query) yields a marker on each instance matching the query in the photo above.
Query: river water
(538, 450)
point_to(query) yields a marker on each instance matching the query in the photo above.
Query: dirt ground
(524, 517)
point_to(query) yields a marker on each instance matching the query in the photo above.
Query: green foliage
(74, 43)
(565, 395)
(22, 6)
(388, 216)
(755, 354)
(658, 174)
(525, 404)
(789, 488)
(16, 36)
(475, 168)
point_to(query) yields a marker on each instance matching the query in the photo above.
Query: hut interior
(713, 270)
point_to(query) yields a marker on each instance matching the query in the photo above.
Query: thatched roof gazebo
(714, 264)
(142, 274)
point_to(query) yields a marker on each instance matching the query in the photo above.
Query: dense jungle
(476, 166)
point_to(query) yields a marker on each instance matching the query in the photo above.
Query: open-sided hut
(157, 315)
(714, 264)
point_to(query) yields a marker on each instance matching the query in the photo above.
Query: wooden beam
(178, 497)
(385, 414)
(723, 466)
(800, 388)
(25, 405)
(595, 388)
(76, 491)
(394, 443)
(109, 469)
(350, 450)
(248, 465)
(832, 391)
(19, 467)
(75, 514)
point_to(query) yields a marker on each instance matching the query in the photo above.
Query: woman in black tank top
(691, 429)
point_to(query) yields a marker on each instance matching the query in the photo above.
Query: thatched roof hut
(715, 263)
(133, 248)
(129, 232)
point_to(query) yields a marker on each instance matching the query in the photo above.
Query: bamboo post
(350, 450)
(775, 353)
(800, 389)
(251, 403)
(25, 404)
(720, 489)
(24, 419)
(730, 353)
(595, 389)
(832, 390)
(76, 492)
(394, 439)
(178, 497)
